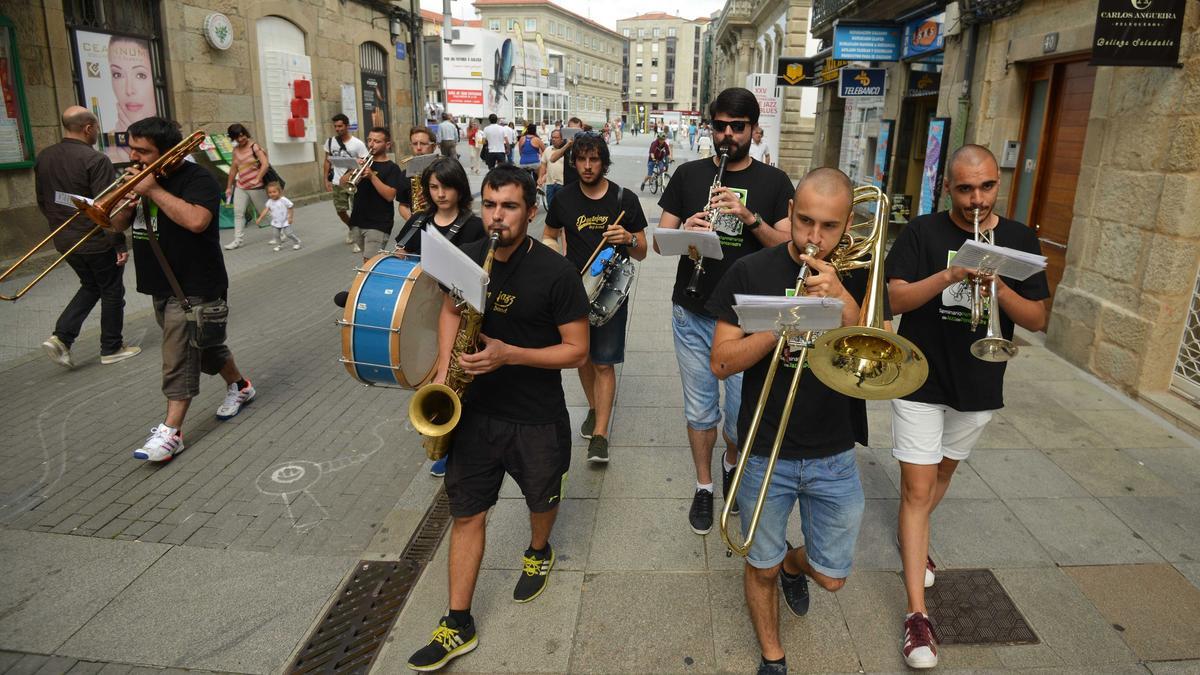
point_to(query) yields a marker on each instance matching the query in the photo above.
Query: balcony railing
(825, 11)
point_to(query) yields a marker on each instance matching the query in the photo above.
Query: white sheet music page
(676, 242)
(763, 313)
(453, 269)
(1008, 262)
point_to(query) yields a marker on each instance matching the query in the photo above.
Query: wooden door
(1051, 207)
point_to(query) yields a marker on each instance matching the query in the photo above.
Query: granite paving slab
(1170, 524)
(1023, 474)
(645, 534)
(508, 534)
(983, 533)
(1081, 532)
(1108, 472)
(1154, 605)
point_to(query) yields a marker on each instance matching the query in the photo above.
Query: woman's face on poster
(132, 80)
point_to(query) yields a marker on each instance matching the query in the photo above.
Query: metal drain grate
(971, 607)
(349, 636)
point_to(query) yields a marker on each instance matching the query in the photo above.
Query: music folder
(677, 242)
(453, 269)
(763, 313)
(1008, 262)
(347, 163)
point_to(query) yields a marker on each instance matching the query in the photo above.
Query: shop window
(16, 139)
(118, 66)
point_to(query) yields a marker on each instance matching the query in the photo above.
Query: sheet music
(676, 242)
(64, 199)
(347, 163)
(413, 166)
(453, 269)
(1008, 262)
(769, 313)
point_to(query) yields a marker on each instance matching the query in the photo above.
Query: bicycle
(661, 177)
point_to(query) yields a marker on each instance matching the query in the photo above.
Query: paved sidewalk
(1086, 508)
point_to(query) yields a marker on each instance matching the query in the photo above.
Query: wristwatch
(757, 221)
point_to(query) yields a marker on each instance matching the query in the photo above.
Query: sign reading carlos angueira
(1138, 33)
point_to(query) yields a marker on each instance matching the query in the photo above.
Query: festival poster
(931, 177)
(117, 73)
(374, 98)
(883, 152)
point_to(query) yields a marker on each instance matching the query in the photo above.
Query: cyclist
(660, 154)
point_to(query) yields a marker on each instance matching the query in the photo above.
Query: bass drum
(389, 328)
(608, 282)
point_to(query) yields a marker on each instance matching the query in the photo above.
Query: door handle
(1053, 243)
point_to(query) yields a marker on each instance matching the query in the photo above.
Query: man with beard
(550, 173)
(514, 413)
(749, 211)
(587, 210)
(935, 427)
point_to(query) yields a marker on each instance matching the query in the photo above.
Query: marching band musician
(182, 209)
(514, 412)
(935, 427)
(421, 141)
(587, 212)
(749, 212)
(816, 465)
(373, 216)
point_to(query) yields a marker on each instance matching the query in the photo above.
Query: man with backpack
(341, 144)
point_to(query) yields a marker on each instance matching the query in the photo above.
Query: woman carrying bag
(246, 180)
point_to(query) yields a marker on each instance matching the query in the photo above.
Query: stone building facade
(204, 87)
(1105, 162)
(663, 65)
(749, 37)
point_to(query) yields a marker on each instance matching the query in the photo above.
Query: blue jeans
(701, 400)
(551, 190)
(831, 509)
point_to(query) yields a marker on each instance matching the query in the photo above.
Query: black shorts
(537, 456)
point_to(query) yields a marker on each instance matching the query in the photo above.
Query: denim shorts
(701, 400)
(607, 342)
(831, 509)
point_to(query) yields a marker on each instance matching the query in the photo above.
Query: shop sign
(923, 84)
(861, 82)
(467, 96)
(866, 42)
(923, 36)
(1138, 33)
(795, 72)
(827, 69)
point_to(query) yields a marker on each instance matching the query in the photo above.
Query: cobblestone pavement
(1086, 508)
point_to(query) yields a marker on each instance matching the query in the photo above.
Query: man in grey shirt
(447, 136)
(72, 167)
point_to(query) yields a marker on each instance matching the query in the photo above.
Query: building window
(653, 63)
(639, 47)
(637, 78)
(16, 137)
(531, 25)
(654, 77)
(639, 63)
(494, 25)
(625, 32)
(641, 33)
(512, 25)
(553, 27)
(654, 47)
(653, 93)
(671, 32)
(657, 32)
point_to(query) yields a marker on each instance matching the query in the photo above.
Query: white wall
(280, 35)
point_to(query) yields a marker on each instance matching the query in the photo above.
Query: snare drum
(607, 283)
(389, 328)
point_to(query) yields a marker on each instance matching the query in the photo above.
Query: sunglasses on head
(737, 127)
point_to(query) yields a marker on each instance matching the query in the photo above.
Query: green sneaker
(589, 424)
(598, 450)
(535, 575)
(449, 642)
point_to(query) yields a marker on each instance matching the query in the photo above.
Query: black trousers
(495, 158)
(100, 280)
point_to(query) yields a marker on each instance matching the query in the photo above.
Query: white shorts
(925, 433)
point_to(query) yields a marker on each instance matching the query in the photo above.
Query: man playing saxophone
(514, 416)
(816, 465)
(749, 210)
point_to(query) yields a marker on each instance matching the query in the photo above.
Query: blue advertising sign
(924, 36)
(858, 42)
(861, 82)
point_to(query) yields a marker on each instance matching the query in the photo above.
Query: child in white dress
(280, 208)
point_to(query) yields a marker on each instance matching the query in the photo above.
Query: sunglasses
(737, 127)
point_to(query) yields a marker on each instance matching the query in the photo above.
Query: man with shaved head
(816, 465)
(935, 427)
(72, 167)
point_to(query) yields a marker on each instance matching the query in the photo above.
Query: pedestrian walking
(530, 148)
(474, 141)
(447, 137)
(282, 215)
(495, 143)
(245, 184)
(72, 167)
(341, 144)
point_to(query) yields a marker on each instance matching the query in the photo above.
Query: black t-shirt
(195, 258)
(584, 219)
(764, 190)
(530, 295)
(941, 328)
(823, 422)
(404, 191)
(470, 230)
(371, 211)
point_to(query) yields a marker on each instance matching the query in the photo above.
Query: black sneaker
(449, 642)
(701, 515)
(795, 590)
(598, 449)
(726, 481)
(765, 668)
(534, 576)
(589, 424)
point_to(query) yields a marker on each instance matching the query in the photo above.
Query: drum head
(416, 343)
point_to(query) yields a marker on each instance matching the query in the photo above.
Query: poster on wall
(883, 151)
(350, 105)
(117, 74)
(770, 106)
(1138, 33)
(374, 108)
(935, 155)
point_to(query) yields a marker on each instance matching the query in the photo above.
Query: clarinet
(693, 287)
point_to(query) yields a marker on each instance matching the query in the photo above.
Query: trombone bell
(868, 363)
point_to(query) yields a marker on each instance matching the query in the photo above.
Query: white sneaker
(163, 444)
(234, 400)
(58, 352)
(276, 248)
(236, 243)
(349, 239)
(929, 568)
(295, 247)
(272, 242)
(125, 352)
(356, 248)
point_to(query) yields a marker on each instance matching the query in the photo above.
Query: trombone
(862, 361)
(111, 201)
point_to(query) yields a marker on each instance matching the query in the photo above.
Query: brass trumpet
(862, 361)
(108, 203)
(357, 175)
(693, 287)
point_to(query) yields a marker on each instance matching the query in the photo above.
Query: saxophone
(435, 409)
